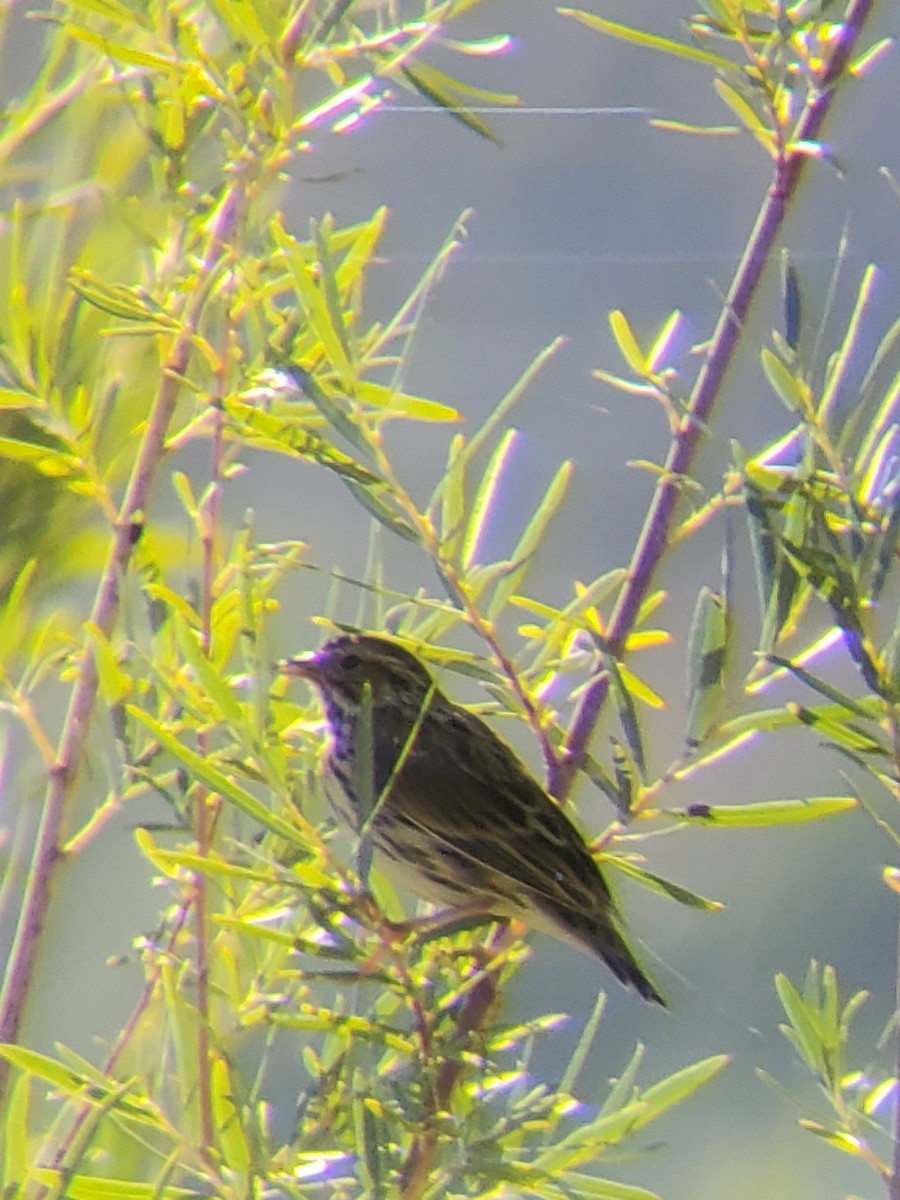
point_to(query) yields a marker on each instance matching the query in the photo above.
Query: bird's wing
(462, 784)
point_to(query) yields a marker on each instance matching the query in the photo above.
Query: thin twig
(205, 803)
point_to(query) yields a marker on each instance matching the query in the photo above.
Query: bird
(452, 812)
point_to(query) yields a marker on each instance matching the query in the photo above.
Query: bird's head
(343, 666)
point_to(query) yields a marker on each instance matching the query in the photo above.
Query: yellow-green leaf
(627, 342)
(768, 812)
(203, 770)
(648, 40)
(402, 404)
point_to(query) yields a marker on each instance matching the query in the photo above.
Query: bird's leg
(443, 922)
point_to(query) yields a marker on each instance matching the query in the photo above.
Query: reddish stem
(656, 533)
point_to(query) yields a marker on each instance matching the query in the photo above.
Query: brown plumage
(457, 817)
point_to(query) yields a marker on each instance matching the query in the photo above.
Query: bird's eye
(350, 662)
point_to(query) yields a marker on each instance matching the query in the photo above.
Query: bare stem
(655, 535)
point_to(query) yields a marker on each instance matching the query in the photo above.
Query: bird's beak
(307, 666)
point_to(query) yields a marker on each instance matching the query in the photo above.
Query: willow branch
(47, 855)
(656, 533)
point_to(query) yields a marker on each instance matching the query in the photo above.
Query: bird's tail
(609, 945)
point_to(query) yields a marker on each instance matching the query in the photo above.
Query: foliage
(155, 301)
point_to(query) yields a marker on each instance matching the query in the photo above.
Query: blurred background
(584, 208)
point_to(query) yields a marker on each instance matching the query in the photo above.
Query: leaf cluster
(154, 302)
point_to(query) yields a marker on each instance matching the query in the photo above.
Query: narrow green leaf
(879, 466)
(793, 392)
(452, 489)
(332, 409)
(887, 411)
(358, 255)
(312, 299)
(97, 1187)
(624, 1089)
(132, 304)
(762, 540)
(579, 1055)
(217, 781)
(648, 40)
(210, 680)
(480, 578)
(887, 550)
(628, 718)
(697, 130)
(511, 399)
(183, 489)
(170, 862)
(14, 1155)
(707, 648)
(628, 778)
(880, 1095)
(531, 539)
(638, 688)
(14, 614)
(840, 363)
(373, 504)
(581, 1145)
(830, 1005)
(229, 1120)
(839, 1138)
(15, 398)
(627, 342)
(577, 1186)
(836, 730)
(658, 352)
(443, 91)
(632, 388)
(41, 1066)
(787, 596)
(111, 10)
(484, 497)
(115, 684)
(822, 686)
(725, 17)
(664, 886)
(803, 1024)
(679, 1086)
(19, 451)
(767, 812)
(402, 404)
(745, 113)
(791, 301)
(372, 1137)
(890, 659)
(321, 231)
(121, 53)
(287, 435)
(612, 789)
